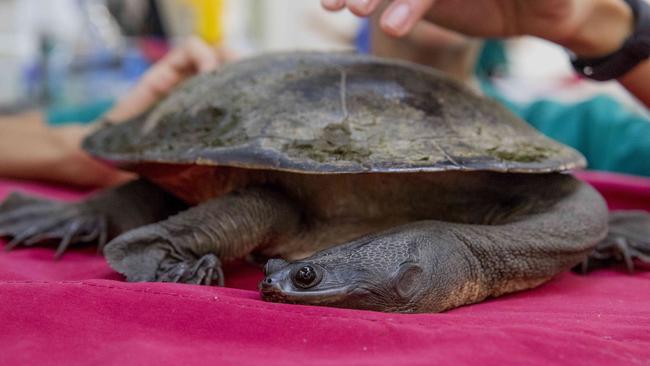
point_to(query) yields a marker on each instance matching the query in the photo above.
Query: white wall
(297, 24)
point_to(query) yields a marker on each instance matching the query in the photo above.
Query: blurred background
(60, 55)
(72, 58)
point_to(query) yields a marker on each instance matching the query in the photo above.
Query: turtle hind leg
(29, 221)
(628, 241)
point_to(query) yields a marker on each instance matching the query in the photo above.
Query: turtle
(364, 183)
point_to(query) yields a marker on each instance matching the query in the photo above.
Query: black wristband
(635, 49)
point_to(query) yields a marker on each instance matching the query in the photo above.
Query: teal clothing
(492, 60)
(78, 114)
(609, 135)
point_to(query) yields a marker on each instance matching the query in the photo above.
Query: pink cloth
(77, 311)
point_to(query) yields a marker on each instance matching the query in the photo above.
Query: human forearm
(599, 29)
(604, 31)
(19, 158)
(589, 28)
(29, 149)
(430, 45)
(637, 82)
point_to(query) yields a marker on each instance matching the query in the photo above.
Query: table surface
(78, 311)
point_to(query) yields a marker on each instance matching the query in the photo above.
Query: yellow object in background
(209, 19)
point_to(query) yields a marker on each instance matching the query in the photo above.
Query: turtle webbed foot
(151, 254)
(204, 271)
(29, 221)
(628, 241)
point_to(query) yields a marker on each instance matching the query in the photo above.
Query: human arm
(29, 149)
(637, 82)
(589, 28)
(193, 57)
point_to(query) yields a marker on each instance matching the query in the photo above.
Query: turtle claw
(171, 271)
(203, 271)
(150, 253)
(29, 221)
(614, 251)
(628, 241)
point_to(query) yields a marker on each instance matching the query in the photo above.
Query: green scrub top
(608, 134)
(85, 113)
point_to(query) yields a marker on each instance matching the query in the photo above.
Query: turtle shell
(330, 113)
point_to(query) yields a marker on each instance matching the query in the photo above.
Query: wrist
(603, 30)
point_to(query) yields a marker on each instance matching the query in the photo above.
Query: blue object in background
(362, 40)
(134, 64)
(93, 87)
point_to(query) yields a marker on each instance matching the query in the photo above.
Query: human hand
(192, 57)
(590, 28)
(29, 149)
(70, 164)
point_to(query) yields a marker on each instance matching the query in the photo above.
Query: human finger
(160, 82)
(186, 60)
(194, 56)
(333, 5)
(362, 8)
(400, 16)
(153, 86)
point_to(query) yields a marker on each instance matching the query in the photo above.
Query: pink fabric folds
(77, 311)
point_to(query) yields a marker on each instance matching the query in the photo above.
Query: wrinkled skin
(374, 273)
(432, 266)
(416, 268)
(423, 196)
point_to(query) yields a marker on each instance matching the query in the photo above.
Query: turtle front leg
(189, 246)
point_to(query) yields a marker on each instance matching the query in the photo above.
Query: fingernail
(332, 3)
(398, 17)
(361, 5)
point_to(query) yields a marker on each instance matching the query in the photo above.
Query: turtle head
(382, 272)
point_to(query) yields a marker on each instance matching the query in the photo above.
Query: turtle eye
(306, 277)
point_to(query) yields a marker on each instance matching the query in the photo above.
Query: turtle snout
(274, 265)
(275, 271)
(270, 283)
(273, 286)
